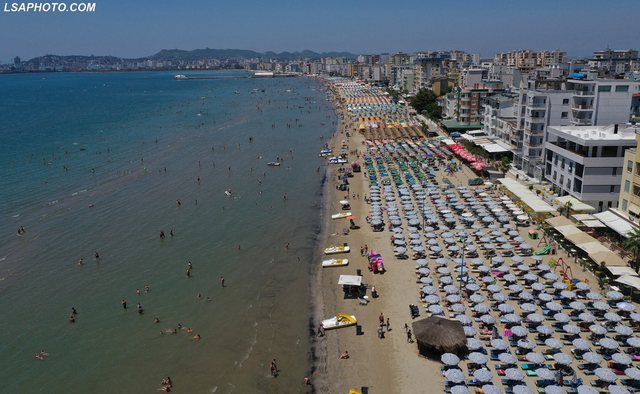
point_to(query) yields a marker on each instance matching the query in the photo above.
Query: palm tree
(632, 244)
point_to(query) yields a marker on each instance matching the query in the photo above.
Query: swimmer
(81, 261)
(147, 288)
(124, 303)
(140, 310)
(72, 319)
(171, 233)
(156, 320)
(97, 255)
(161, 234)
(222, 281)
(196, 337)
(74, 311)
(138, 292)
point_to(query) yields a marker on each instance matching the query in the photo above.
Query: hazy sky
(135, 28)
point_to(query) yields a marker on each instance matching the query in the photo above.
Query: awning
(350, 280)
(525, 195)
(615, 222)
(580, 238)
(576, 205)
(593, 223)
(617, 270)
(610, 258)
(628, 280)
(494, 148)
(583, 216)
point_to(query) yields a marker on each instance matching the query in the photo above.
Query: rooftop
(599, 133)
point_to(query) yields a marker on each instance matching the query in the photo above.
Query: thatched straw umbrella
(436, 335)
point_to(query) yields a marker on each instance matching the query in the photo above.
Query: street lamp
(463, 239)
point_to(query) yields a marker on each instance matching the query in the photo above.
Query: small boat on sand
(339, 321)
(337, 249)
(341, 215)
(335, 263)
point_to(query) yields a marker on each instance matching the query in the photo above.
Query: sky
(136, 28)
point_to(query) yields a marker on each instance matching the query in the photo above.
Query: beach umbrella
(476, 298)
(488, 319)
(561, 317)
(563, 358)
(553, 343)
(450, 289)
(499, 297)
(488, 246)
(612, 317)
(469, 331)
(519, 331)
(553, 306)
(515, 288)
(432, 299)
(593, 296)
(525, 295)
(494, 288)
(484, 269)
(497, 259)
(525, 344)
(429, 290)
(621, 358)
(518, 259)
(617, 389)
(544, 373)
(450, 359)
(454, 375)
(474, 344)
(553, 389)
(511, 278)
(481, 308)
(567, 294)
(592, 358)
(512, 318)
(535, 358)
(605, 374)
(460, 389)
(545, 297)
(635, 317)
(633, 342)
(544, 330)
(535, 318)
(483, 374)
(514, 374)
(457, 308)
(426, 280)
(576, 305)
(597, 329)
(499, 344)
(608, 343)
(435, 309)
(505, 308)
(559, 285)
(472, 287)
(633, 373)
(530, 278)
(507, 246)
(522, 389)
(478, 358)
(625, 306)
(543, 267)
(551, 276)
(587, 317)
(601, 306)
(623, 330)
(580, 344)
(491, 389)
(464, 319)
(583, 389)
(582, 286)
(424, 271)
(503, 268)
(507, 358)
(614, 295)
(453, 298)
(571, 329)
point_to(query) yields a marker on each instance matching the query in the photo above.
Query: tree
(504, 165)
(425, 102)
(632, 244)
(567, 208)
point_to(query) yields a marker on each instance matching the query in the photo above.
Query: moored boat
(337, 249)
(339, 321)
(335, 262)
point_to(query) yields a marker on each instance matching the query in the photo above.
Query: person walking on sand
(388, 325)
(381, 318)
(409, 338)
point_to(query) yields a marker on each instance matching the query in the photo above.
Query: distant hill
(208, 53)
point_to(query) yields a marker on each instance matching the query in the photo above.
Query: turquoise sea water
(83, 160)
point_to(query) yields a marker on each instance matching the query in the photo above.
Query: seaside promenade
(527, 328)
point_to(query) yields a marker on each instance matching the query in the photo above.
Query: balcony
(583, 93)
(536, 105)
(582, 107)
(581, 122)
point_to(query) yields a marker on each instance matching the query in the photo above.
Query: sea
(102, 163)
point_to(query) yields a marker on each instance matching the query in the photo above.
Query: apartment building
(613, 61)
(586, 162)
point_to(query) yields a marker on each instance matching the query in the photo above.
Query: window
(636, 190)
(614, 171)
(627, 185)
(562, 165)
(629, 166)
(609, 151)
(565, 102)
(612, 188)
(600, 205)
(555, 174)
(622, 88)
(564, 115)
(637, 168)
(568, 183)
(561, 179)
(609, 204)
(605, 88)
(624, 205)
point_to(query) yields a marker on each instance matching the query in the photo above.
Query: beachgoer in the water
(97, 255)
(81, 261)
(124, 303)
(138, 292)
(161, 234)
(222, 281)
(156, 320)
(196, 337)
(140, 310)
(72, 318)
(74, 311)
(171, 233)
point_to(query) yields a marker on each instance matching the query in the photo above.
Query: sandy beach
(391, 364)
